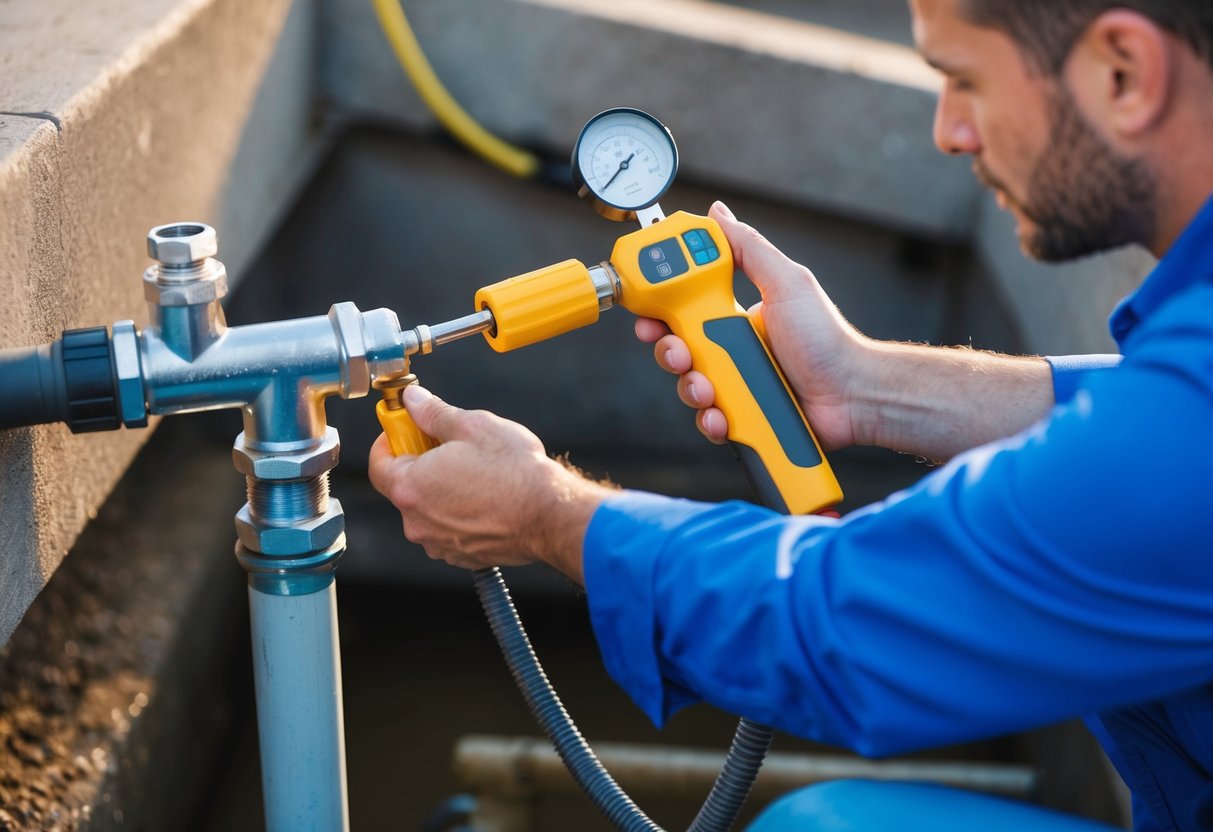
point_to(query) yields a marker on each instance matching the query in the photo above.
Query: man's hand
(488, 495)
(816, 347)
(922, 400)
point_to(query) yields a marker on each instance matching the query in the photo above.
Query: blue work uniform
(1065, 570)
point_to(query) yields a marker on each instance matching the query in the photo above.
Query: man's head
(1069, 108)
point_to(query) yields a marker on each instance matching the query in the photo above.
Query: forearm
(937, 402)
(558, 537)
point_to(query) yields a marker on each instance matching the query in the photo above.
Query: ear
(1122, 69)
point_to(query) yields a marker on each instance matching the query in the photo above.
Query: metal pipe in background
(525, 767)
(297, 667)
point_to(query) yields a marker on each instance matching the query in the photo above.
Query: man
(1061, 563)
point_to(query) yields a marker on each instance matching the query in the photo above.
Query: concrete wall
(115, 117)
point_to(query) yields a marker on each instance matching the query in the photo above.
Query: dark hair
(1046, 30)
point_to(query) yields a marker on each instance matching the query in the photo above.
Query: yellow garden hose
(446, 109)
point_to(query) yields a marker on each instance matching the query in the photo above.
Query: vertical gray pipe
(297, 667)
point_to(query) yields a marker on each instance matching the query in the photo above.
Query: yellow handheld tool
(677, 269)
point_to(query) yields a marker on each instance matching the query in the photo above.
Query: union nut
(265, 465)
(182, 243)
(210, 284)
(313, 535)
(186, 273)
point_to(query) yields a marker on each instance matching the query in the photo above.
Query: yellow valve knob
(403, 435)
(538, 305)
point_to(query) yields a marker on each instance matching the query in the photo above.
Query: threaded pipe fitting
(282, 502)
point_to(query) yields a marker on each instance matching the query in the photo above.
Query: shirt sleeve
(1066, 569)
(1070, 372)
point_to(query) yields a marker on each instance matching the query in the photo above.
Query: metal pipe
(297, 667)
(291, 534)
(526, 766)
(444, 333)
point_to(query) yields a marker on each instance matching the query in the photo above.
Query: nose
(954, 132)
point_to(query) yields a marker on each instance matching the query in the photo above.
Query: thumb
(433, 416)
(768, 268)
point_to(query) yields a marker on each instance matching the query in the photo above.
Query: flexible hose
(442, 104)
(732, 786)
(727, 794)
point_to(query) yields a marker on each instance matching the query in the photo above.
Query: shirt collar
(1190, 259)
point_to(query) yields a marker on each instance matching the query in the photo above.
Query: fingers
(712, 424)
(672, 354)
(695, 390)
(768, 267)
(650, 330)
(383, 467)
(435, 417)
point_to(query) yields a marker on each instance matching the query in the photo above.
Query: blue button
(664, 270)
(701, 258)
(713, 254)
(694, 241)
(657, 254)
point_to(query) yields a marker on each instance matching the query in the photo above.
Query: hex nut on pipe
(210, 285)
(351, 338)
(182, 243)
(128, 369)
(266, 465)
(385, 348)
(312, 535)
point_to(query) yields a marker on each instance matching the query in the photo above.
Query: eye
(960, 84)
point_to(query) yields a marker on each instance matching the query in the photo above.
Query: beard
(1082, 197)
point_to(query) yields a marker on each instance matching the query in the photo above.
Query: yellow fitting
(538, 305)
(403, 435)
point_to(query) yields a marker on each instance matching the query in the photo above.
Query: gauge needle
(622, 167)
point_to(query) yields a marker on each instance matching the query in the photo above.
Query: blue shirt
(1061, 571)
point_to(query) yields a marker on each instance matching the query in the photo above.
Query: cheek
(1017, 133)
(1011, 151)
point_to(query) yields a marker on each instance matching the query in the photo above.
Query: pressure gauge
(624, 161)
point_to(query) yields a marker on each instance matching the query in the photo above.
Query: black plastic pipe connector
(70, 380)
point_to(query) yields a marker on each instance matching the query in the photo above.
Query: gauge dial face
(625, 160)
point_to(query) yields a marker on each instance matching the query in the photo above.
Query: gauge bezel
(608, 209)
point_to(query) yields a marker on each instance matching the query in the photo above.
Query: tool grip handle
(767, 428)
(680, 271)
(403, 435)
